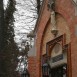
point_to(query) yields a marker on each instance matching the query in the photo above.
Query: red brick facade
(67, 23)
(32, 66)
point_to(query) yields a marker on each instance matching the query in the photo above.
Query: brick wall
(62, 27)
(32, 66)
(68, 23)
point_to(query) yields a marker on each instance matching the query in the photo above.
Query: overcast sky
(21, 27)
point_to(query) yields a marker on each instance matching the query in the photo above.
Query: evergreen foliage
(10, 47)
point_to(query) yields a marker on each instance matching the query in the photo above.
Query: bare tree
(26, 15)
(33, 6)
(10, 48)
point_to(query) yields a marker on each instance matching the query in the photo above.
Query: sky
(5, 3)
(21, 25)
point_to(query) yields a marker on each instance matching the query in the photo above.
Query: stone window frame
(62, 40)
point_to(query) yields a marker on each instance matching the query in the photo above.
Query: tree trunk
(38, 6)
(1, 38)
(1, 24)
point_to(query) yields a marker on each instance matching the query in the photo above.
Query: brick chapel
(55, 51)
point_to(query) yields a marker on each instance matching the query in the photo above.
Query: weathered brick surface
(62, 27)
(32, 66)
(66, 11)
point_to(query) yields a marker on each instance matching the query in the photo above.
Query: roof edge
(39, 16)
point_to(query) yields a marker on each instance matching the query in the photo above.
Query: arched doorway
(58, 48)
